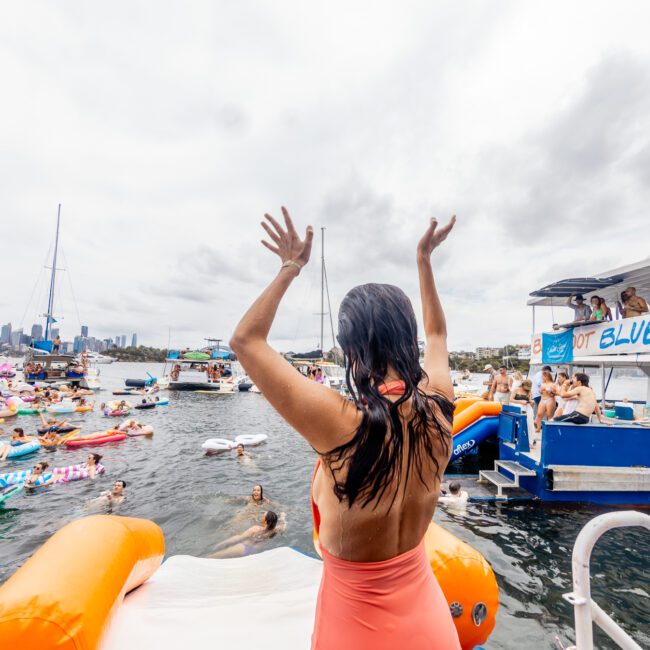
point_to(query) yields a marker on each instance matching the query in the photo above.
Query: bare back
(378, 531)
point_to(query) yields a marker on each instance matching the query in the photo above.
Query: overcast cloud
(166, 130)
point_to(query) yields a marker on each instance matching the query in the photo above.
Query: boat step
(512, 467)
(496, 478)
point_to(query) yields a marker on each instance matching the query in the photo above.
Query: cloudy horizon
(166, 132)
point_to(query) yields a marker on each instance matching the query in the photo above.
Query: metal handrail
(586, 610)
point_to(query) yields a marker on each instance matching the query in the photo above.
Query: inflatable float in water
(50, 603)
(59, 475)
(11, 491)
(97, 438)
(23, 449)
(146, 430)
(214, 445)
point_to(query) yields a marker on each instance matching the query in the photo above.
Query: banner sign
(627, 336)
(557, 347)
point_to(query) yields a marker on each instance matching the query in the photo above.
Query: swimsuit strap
(397, 387)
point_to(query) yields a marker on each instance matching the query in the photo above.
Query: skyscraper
(123, 341)
(84, 331)
(134, 341)
(37, 332)
(16, 338)
(78, 344)
(54, 332)
(5, 333)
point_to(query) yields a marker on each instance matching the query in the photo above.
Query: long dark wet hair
(378, 331)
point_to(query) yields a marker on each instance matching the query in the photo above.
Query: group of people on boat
(629, 306)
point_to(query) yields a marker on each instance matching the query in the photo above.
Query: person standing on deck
(501, 387)
(382, 454)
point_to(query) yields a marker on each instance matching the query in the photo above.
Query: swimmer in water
(37, 472)
(455, 496)
(250, 541)
(242, 455)
(91, 464)
(116, 495)
(18, 437)
(257, 496)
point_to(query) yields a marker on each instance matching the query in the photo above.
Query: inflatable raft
(24, 449)
(98, 438)
(193, 602)
(61, 474)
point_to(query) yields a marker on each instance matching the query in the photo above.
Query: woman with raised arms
(381, 456)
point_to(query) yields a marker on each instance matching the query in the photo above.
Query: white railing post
(586, 611)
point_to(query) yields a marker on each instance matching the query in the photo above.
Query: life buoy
(217, 444)
(251, 439)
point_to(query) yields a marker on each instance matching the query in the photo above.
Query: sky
(167, 130)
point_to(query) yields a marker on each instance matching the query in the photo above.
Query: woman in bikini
(250, 541)
(546, 406)
(381, 454)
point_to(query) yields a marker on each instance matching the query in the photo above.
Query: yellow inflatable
(65, 595)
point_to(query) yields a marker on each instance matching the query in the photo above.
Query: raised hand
(288, 245)
(434, 236)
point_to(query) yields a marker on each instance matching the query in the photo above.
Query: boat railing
(586, 611)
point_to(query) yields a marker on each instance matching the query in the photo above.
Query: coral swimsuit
(394, 604)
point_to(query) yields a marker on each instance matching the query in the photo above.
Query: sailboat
(333, 374)
(44, 363)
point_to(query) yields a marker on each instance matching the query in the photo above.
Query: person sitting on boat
(587, 402)
(381, 457)
(501, 387)
(250, 541)
(36, 474)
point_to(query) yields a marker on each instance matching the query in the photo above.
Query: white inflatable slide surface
(260, 601)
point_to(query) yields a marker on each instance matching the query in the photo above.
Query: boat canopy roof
(607, 285)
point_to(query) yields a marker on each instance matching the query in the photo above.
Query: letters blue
(607, 338)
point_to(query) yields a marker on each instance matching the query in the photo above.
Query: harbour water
(198, 501)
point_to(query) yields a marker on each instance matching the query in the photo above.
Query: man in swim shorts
(501, 387)
(587, 403)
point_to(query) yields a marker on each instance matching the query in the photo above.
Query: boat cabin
(597, 463)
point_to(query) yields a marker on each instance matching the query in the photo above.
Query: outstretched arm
(236, 539)
(436, 357)
(322, 416)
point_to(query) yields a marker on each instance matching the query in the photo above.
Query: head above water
(258, 493)
(118, 487)
(94, 459)
(454, 487)
(270, 520)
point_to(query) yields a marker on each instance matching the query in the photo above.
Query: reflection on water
(199, 500)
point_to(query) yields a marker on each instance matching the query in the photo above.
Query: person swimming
(37, 473)
(92, 462)
(18, 437)
(382, 455)
(251, 540)
(455, 496)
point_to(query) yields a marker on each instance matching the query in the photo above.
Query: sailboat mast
(50, 302)
(322, 288)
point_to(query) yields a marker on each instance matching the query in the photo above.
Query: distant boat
(95, 357)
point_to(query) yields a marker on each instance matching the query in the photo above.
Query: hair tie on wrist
(291, 263)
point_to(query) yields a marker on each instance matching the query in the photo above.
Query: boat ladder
(586, 611)
(498, 478)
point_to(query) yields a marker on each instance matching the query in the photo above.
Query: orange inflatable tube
(468, 583)
(64, 596)
(472, 412)
(465, 402)
(466, 580)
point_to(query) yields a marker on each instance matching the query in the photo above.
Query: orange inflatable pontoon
(66, 594)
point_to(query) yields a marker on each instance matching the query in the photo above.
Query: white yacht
(95, 357)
